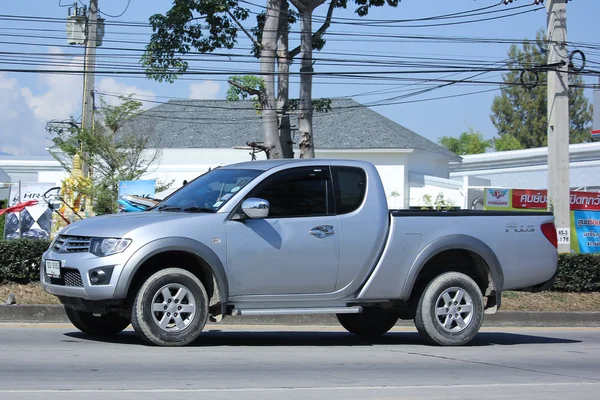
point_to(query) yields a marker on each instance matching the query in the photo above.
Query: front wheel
(371, 322)
(171, 308)
(105, 324)
(450, 311)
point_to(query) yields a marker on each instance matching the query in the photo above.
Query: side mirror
(255, 208)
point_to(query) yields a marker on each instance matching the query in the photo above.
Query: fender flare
(454, 242)
(162, 245)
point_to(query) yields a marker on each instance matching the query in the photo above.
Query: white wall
(33, 169)
(528, 169)
(177, 165)
(422, 185)
(536, 177)
(187, 164)
(428, 164)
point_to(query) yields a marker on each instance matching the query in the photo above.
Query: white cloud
(21, 132)
(114, 88)
(6, 83)
(207, 90)
(62, 98)
(24, 111)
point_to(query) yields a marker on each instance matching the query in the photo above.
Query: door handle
(322, 230)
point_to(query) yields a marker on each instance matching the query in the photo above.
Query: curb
(40, 313)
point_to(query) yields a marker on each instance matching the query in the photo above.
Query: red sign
(538, 199)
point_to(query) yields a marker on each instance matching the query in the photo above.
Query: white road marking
(315, 388)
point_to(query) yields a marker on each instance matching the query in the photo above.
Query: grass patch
(550, 301)
(33, 293)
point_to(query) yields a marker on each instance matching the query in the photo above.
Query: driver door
(296, 248)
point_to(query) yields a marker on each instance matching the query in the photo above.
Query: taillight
(549, 230)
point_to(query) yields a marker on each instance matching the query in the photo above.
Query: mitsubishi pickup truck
(295, 236)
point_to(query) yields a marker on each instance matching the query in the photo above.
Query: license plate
(53, 268)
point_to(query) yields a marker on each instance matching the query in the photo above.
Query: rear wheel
(371, 322)
(450, 311)
(171, 308)
(105, 324)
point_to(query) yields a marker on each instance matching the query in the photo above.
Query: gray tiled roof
(223, 124)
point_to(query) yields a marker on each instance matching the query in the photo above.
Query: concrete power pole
(87, 119)
(558, 121)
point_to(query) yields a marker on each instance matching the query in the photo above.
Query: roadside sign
(564, 235)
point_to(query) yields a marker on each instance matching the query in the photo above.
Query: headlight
(108, 246)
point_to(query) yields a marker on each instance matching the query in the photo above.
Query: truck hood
(117, 225)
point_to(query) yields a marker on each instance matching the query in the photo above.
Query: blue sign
(144, 189)
(587, 228)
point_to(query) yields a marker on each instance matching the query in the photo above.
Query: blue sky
(29, 100)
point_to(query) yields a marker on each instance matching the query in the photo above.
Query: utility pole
(558, 122)
(89, 65)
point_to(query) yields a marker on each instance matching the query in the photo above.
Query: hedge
(578, 273)
(20, 259)
(20, 262)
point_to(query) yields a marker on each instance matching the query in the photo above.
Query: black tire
(146, 322)
(104, 325)
(447, 330)
(371, 322)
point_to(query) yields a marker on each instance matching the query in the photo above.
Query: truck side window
(350, 185)
(295, 195)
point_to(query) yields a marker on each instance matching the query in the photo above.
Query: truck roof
(268, 164)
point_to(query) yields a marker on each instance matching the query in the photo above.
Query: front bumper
(75, 278)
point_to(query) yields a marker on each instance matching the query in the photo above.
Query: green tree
(507, 142)
(208, 25)
(471, 142)
(521, 111)
(113, 152)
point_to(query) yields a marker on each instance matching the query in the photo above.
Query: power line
(117, 16)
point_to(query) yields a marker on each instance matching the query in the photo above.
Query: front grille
(71, 244)
(68, 277)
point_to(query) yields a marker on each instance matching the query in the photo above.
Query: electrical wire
(117, 16)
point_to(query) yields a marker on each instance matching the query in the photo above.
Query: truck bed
(511, 243)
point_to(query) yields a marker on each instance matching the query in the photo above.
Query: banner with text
(33, 222)
(585, 212)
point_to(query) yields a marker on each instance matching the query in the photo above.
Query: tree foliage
(114, 154)
(507, 142)
(207, 25)
(190, 25)
(471, 142)
(522, 112)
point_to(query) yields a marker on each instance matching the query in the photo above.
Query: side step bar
(288, 311)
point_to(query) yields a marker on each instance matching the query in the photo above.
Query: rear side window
(350, 184)
(297, 198)
(297, 192)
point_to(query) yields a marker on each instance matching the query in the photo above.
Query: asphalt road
(274, 362)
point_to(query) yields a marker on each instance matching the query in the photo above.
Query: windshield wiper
(198, 209)
(168, 208)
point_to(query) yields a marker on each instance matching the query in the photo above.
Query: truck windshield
(208, 192)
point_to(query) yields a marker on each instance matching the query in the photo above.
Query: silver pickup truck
(299, 236)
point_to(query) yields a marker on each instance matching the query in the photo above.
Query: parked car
(283, 237)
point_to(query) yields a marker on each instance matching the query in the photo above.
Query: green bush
(578, 273)
(20, 259)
